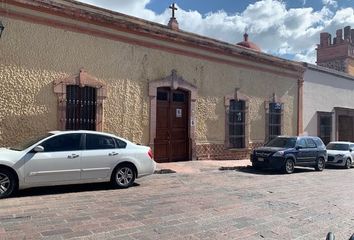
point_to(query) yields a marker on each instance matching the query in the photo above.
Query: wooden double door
(345, 128)
(172, 132)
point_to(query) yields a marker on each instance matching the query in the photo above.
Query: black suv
(287, 152)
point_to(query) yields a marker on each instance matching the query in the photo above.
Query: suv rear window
(310, 143)
(319, 142)
(282, 142)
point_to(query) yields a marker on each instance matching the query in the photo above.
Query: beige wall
(351, 67)
(324, 91)
(33, 56)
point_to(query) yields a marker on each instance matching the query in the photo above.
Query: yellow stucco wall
(33, 56)
(351, 67)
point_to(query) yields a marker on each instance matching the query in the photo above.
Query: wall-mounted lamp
(1, 28)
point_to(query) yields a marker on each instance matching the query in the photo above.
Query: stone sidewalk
(208, 204)
(201, 166)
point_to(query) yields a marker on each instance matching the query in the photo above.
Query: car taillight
(150, 154)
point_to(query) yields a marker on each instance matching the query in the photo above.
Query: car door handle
(112, 154)
(73, 156)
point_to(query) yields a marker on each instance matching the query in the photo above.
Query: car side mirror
(298, 147)
(350, 150)
(38, 148)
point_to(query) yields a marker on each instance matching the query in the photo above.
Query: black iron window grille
(324, 126)
(275, 114)
(237, 124)
(81, 104)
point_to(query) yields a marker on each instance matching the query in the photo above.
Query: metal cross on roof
(173, 8)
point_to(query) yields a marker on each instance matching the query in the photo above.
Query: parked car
(71, 157)
(286, 152)
(340, 154)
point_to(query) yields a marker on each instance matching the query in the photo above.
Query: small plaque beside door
(178, 112)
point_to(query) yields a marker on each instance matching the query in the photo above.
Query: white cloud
(131, 7)
(270, 24)
(306, 56)
(333, 3)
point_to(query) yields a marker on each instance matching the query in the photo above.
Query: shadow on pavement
(54, 190)
(337, 168)
(164, 171)
(251, 170)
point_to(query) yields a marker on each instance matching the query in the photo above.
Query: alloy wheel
(348, 163)
(5, 184)
(289, 166)
(124, 176)
(320, 164)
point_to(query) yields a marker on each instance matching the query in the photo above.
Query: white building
(328, 104)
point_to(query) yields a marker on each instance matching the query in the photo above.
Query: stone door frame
(174, 82)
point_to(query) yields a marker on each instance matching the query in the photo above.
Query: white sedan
(72, 157)
(340, 154)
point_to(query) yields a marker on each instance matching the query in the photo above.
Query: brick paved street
(212, 204)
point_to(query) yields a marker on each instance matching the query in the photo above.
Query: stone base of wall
(219, 152)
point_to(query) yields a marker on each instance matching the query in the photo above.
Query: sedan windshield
(338, 146)
(282, 142)
(29, 142)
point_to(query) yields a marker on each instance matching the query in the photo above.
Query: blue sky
(285, 28)
(232, 6)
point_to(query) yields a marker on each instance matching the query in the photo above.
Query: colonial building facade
(328, 104)
(68, 65)
(328, 89)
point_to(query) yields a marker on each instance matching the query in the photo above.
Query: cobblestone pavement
(241, 204)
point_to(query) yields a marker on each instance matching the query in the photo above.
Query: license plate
(261, 159)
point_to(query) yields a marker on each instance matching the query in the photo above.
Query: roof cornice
(121, 22)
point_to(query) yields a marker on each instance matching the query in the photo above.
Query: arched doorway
(181, 112)
(172, 117)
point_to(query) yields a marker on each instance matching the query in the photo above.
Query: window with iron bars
(80, 108)
(236, 124)
(324, 123)
(274, 121)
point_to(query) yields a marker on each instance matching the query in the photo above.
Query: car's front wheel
(123, 176)
(7, 183)
(320, 164)
(348, 163)
(289, 166)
